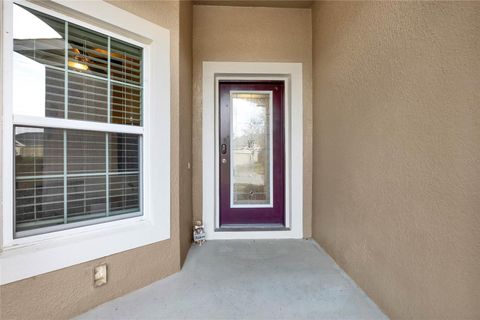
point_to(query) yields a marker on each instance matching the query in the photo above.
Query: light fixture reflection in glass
(78, 65)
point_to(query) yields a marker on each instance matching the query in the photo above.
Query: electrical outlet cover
(100, 275)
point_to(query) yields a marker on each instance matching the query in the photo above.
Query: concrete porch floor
(248, 279)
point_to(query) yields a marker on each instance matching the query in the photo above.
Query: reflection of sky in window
(244, 113)
(29, 75)
(20, 130)
(28, 86)
(27, 26)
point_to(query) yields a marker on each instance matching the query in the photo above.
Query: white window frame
(33, 255)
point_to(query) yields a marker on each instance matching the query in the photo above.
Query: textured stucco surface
(257, 3)
(185, 127)
(68, 292)
(396, 184)
(252, 34)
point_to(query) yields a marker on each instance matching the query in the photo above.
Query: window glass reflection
(250, 154)
(39, 48)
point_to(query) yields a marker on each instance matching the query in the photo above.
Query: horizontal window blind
(89, 49)
(124, 152)
(54, 93)
(124, 193)
(92, 191)
(103, 74)
(86, 198)
(87, 98)
(68, 177)
(85, 152)
(126, 63)
(39, 203)
(126, 104)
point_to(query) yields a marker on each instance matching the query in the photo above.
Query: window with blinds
(73, 173)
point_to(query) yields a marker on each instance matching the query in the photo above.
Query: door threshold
(253, 227)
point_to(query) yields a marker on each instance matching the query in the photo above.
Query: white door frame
(291, 74)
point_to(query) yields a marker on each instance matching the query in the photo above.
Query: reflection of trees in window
(251, 148)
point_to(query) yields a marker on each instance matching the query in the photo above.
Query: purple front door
(251, 154)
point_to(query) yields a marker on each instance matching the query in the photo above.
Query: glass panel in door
(251, 149)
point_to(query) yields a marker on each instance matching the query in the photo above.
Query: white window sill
(52, 254)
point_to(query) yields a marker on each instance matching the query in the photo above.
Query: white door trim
(291, 73)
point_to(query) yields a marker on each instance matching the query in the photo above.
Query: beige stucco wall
(396, 152)
(68, 292)
(251, 34)
(185, 127)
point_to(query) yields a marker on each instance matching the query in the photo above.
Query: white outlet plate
(100, 275)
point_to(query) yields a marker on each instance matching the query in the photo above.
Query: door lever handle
(224, 149)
